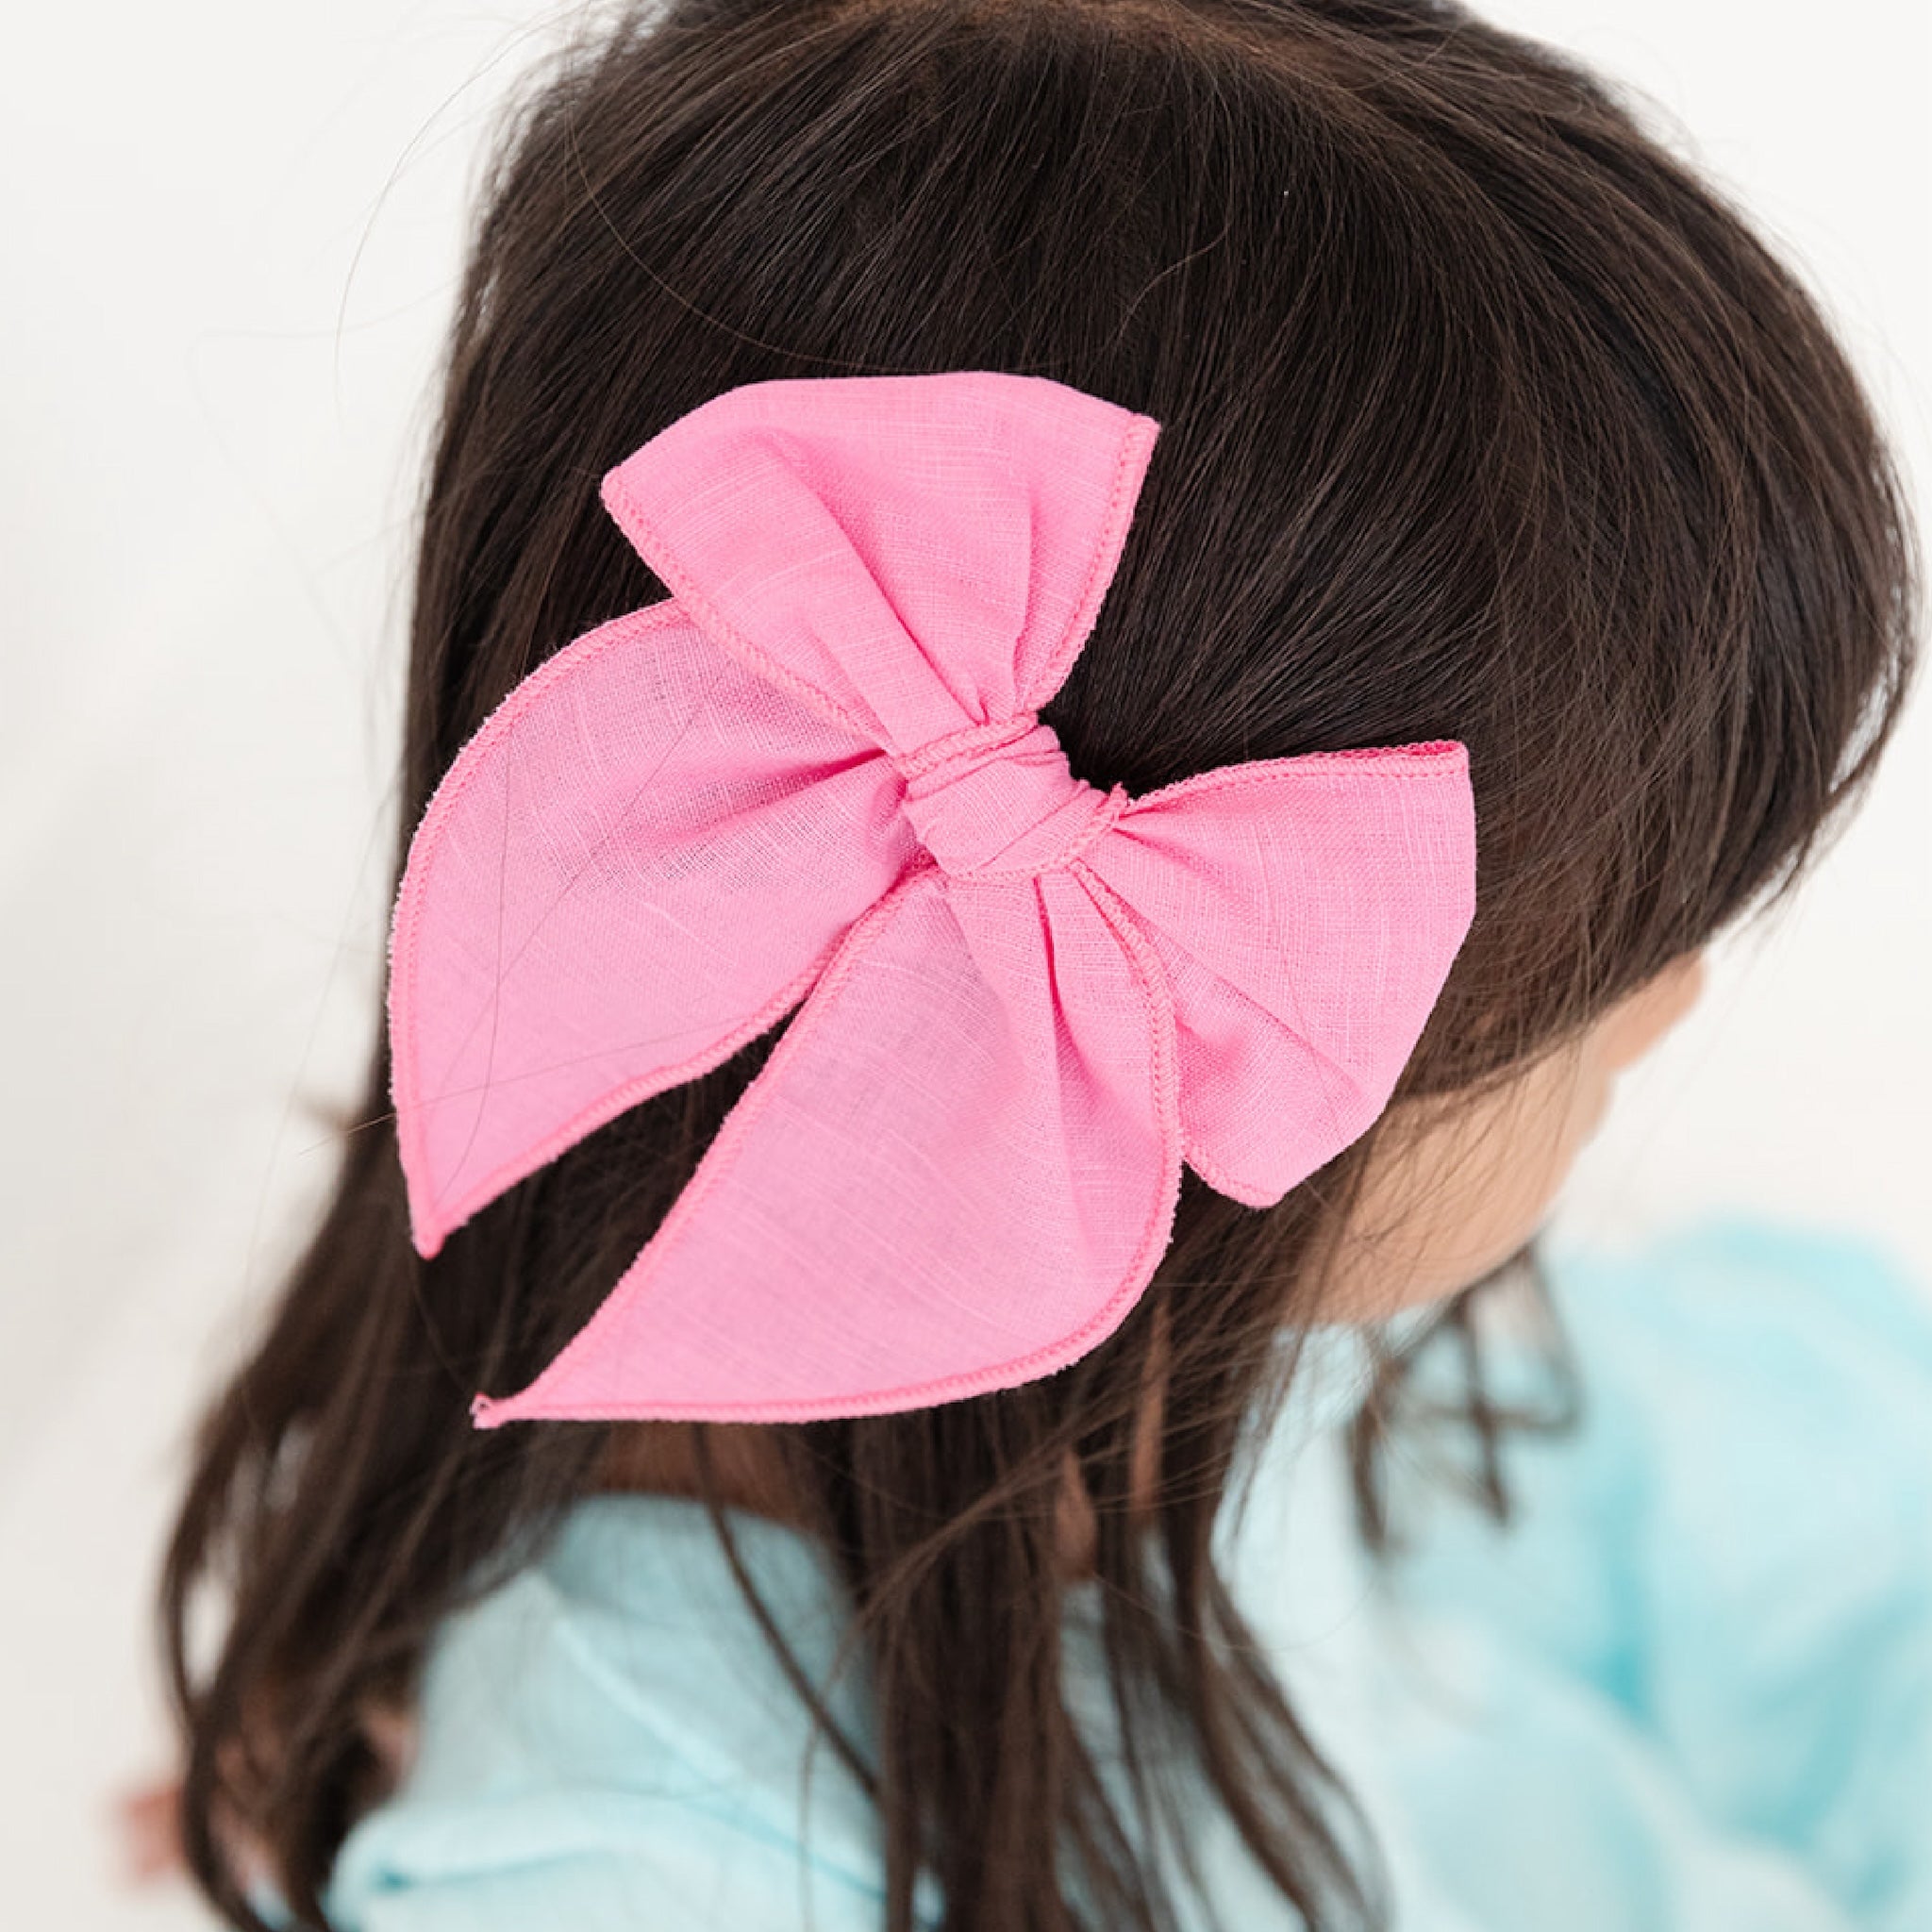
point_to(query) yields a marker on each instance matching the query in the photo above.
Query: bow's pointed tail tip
(428, 1228)
(540, 1401)
(554, 1396)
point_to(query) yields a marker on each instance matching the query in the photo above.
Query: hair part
(1482, 418)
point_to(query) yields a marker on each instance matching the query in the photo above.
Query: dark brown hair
(1483, 418)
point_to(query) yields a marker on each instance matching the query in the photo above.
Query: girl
(1481, 420)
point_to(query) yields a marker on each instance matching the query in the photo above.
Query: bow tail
(640, 862)
(955, 1173)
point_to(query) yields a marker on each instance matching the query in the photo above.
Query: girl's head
(1482, 419)
(1459, 1185)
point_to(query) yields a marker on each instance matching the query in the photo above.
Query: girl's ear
(1632, 1027)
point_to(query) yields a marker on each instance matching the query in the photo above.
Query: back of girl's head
(1482, 419)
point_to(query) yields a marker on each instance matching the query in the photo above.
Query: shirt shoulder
(606, 1738)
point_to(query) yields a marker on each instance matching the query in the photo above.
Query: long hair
(1483, 418)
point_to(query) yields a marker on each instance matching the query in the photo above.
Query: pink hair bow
(814, 772)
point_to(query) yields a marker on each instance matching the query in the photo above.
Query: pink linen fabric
(814, 774)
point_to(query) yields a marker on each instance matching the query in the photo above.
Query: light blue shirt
(1689, 1686)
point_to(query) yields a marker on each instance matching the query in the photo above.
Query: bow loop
(904, 555)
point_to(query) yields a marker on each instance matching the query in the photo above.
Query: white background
(231, 234)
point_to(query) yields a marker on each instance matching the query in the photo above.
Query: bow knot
(999, 800)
